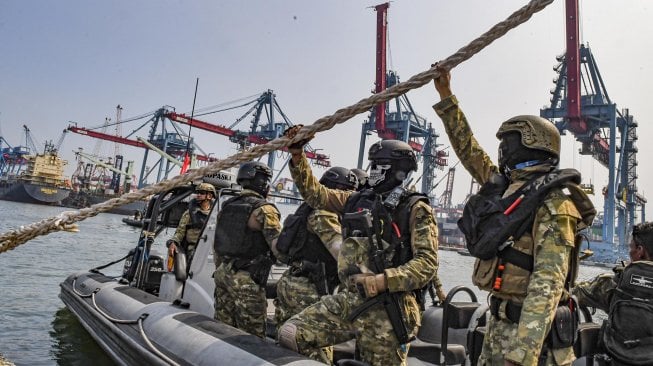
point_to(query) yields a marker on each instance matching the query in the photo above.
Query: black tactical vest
(390, 225)
(197, 217)
(298, 243)
(232, 236)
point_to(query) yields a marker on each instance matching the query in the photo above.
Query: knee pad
(288, 336)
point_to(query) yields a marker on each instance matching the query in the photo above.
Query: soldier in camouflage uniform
(247, 229)
(362, 178)
(336, 318)
(313, 251)
(192, 221)
(529, 146)
(625, 295)
(315, 244)
(598, 292)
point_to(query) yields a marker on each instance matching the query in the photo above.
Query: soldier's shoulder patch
(559, 203)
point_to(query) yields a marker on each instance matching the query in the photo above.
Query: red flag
(186, 164)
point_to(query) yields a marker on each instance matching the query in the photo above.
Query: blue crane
(580, 105)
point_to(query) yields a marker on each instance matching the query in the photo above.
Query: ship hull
(33, 193)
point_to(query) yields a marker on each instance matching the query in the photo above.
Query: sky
(64, 61)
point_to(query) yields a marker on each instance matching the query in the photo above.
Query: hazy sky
(67, 61)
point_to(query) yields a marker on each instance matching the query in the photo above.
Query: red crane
(175, 143)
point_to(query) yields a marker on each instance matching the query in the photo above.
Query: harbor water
(35, 326)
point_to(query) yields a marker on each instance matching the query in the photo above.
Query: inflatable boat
(152, 316)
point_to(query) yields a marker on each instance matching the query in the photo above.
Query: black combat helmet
(256, 176)
(362, 178)
(339, 178)
(391, 161)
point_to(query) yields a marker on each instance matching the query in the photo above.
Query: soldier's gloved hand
(442, 82)
(370, 284)
(297, 147)
(172, 247)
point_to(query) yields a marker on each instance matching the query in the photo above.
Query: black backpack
(489, 220)
(628, 332)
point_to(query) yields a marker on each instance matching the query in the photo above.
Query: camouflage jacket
(191, 235)
(597, 292)
(553, 233)
(415, 273)
(268, 217)
(326, 225)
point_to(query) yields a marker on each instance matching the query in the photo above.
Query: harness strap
(514, 256)
(360, 309)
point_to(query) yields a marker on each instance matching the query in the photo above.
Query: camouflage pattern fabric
(553, 239)
(325, 322)
(326, 225)
(295, 293)
(191, 235)
(239, 301)
(268, 217)
(597, 292)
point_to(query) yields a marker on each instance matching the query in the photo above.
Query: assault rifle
(316, 272)
(390, 301)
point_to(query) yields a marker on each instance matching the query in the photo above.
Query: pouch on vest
(628, 332)
(484, 273)
(564, 327)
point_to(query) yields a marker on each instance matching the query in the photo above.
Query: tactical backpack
(489, 220)
(628, 332)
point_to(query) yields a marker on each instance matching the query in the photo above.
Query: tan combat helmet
(205, 187)
(536, 133)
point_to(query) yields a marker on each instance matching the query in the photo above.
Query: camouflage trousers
(294, 294)
(239, 301)
(497, 341)
(325, 323)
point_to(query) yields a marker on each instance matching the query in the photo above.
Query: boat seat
(428, 346)
(455, 354)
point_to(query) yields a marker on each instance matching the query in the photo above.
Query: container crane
(580, 104)
(29, 141)
(260, 131)
(168, 137)
(171, 142)
(400, 122)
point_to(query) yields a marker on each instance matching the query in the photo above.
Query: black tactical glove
(298, 146)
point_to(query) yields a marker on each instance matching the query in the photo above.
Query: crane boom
(233, 134)
(88, 157)
(121, 140)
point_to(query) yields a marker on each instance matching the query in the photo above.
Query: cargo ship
(96, 181)
(41, 182)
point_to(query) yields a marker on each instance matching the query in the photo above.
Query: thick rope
(66, 220)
